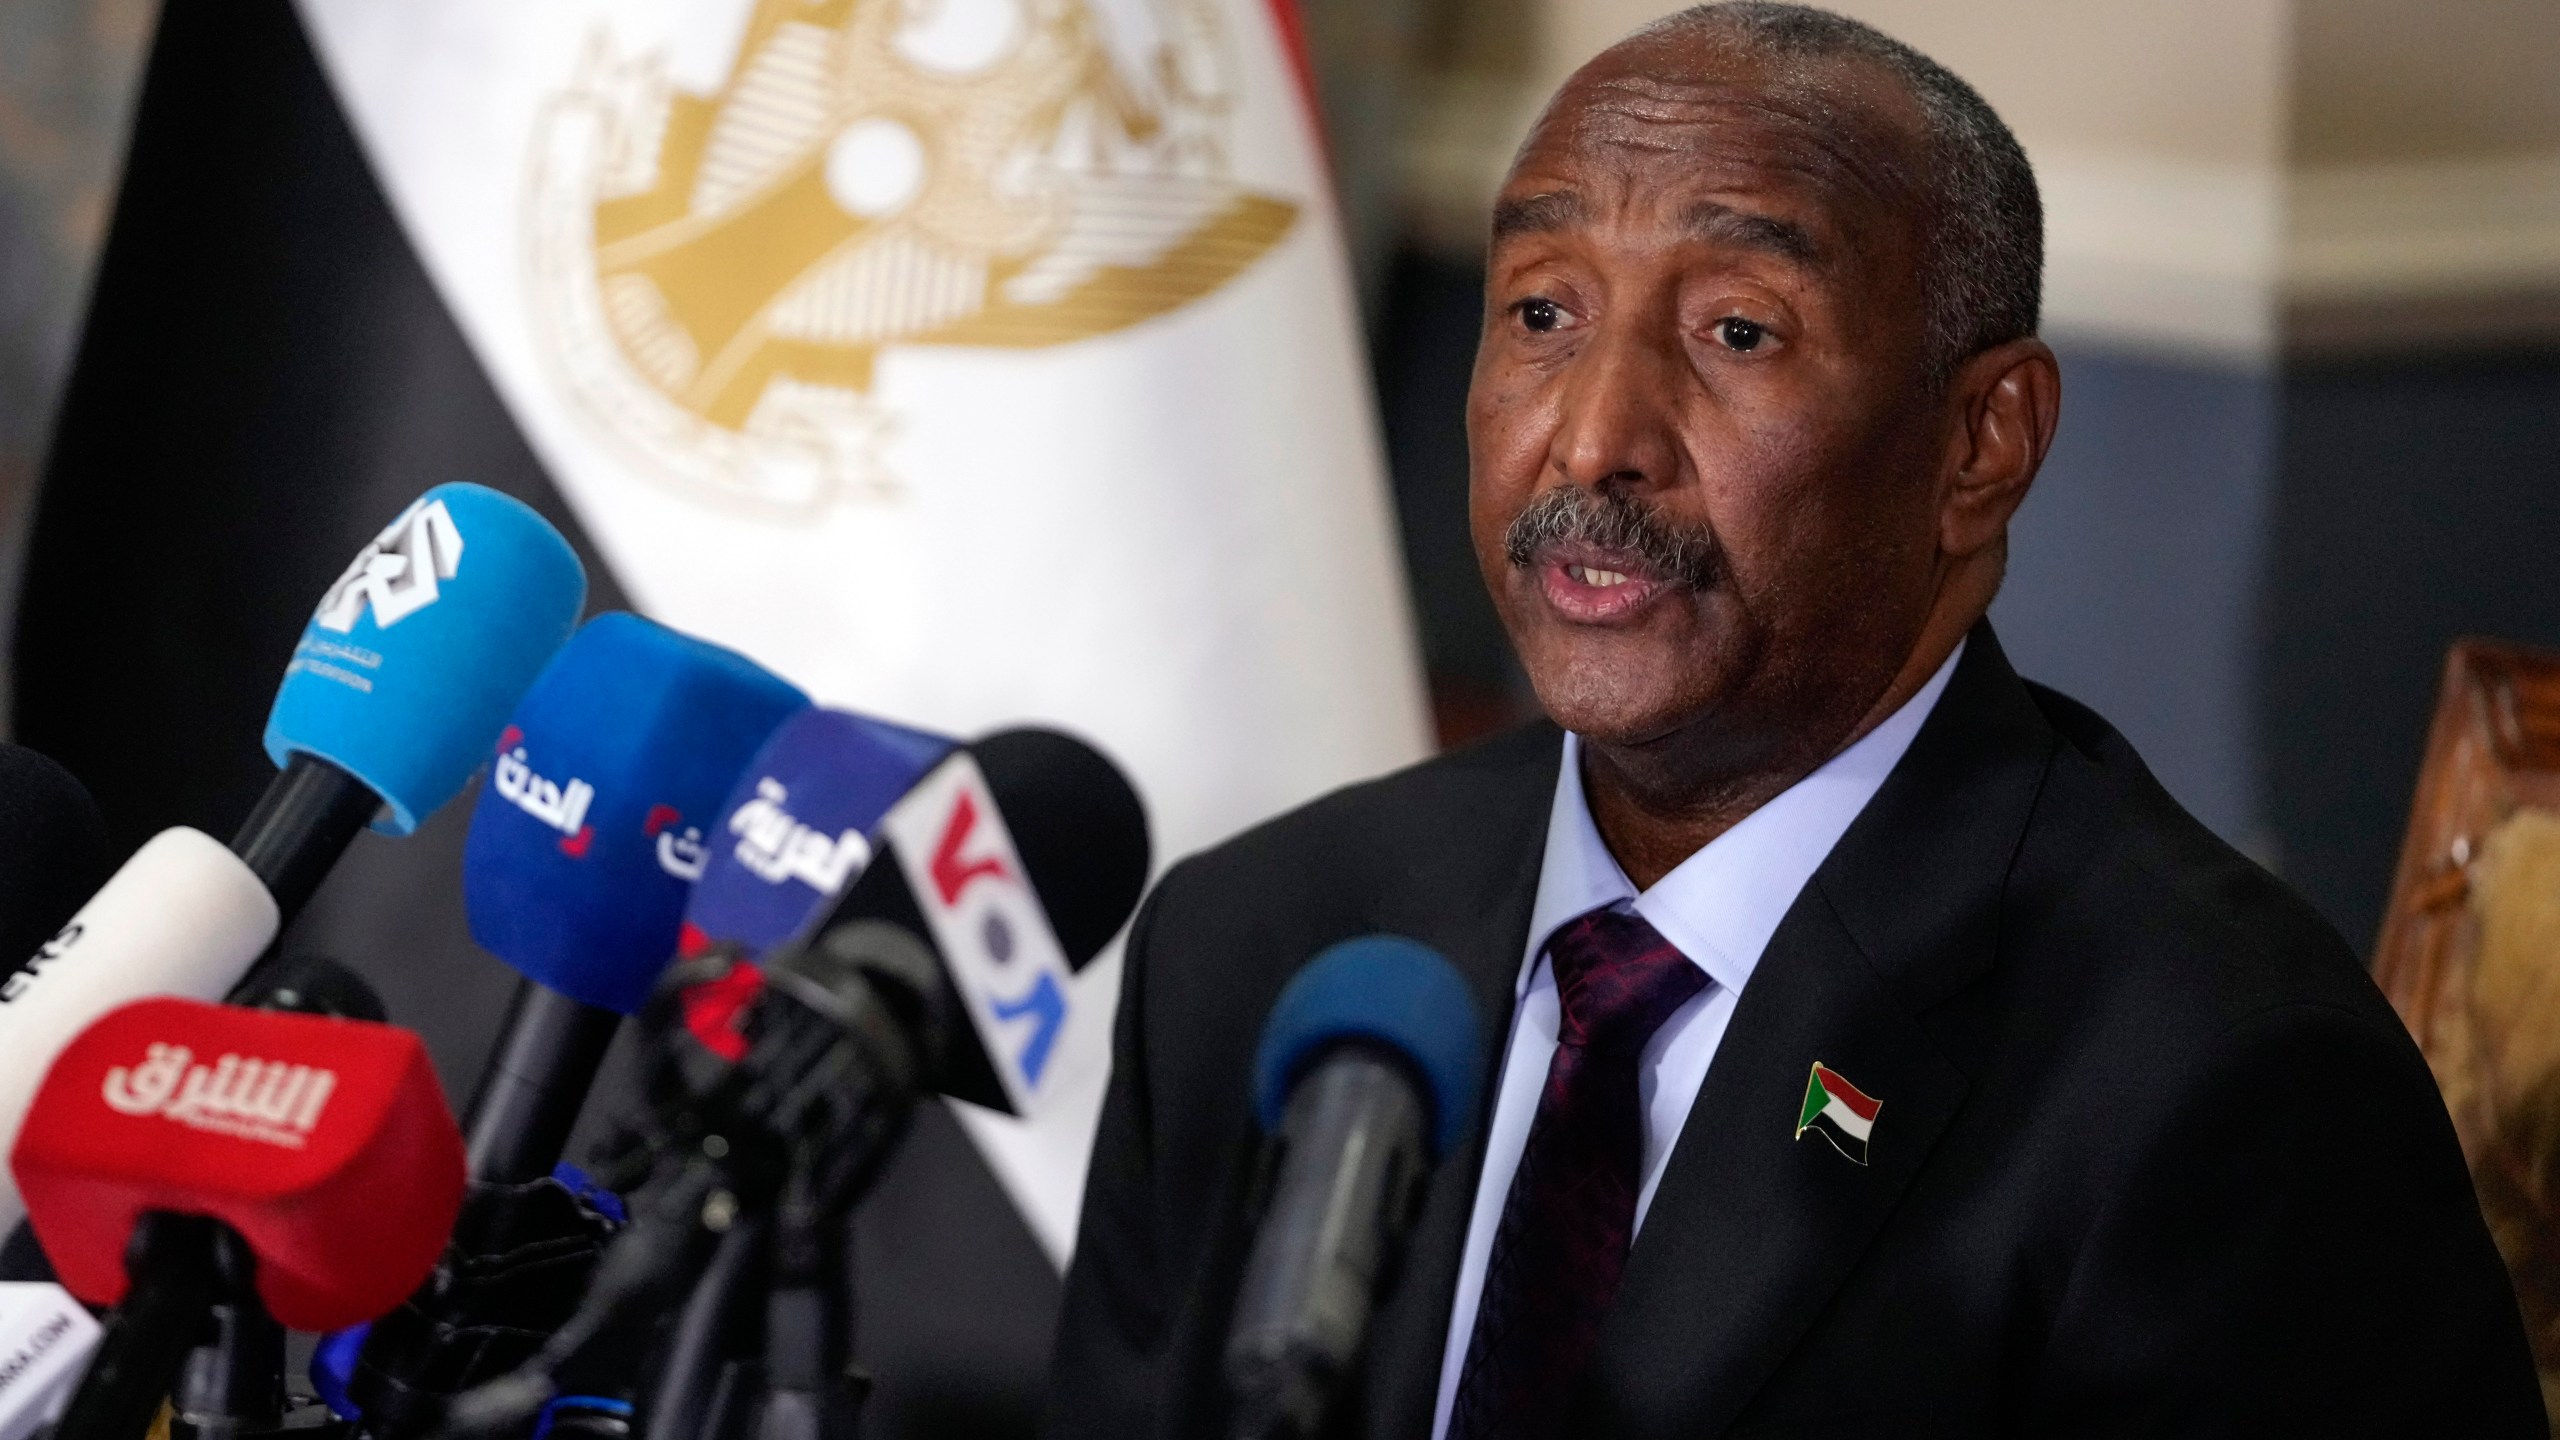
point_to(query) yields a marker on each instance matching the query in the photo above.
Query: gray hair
(1982, 270)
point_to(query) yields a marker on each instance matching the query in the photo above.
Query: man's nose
(1619, 426)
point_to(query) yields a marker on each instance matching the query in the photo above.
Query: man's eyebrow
(1534, 214)
(1725, 225)
(1708, 220)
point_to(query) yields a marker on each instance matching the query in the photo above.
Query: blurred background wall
(2305, 279)
(68, 72)
(2304, 276)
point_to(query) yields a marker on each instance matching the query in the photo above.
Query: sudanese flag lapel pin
(1838, 1112)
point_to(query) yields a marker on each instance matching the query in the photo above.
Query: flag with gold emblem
(967, 361)
(971, 362)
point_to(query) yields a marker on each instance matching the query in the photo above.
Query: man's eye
(1739, 334)
(1540, 315)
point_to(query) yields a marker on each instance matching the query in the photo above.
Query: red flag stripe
(1846, 1093)
(1292, 25)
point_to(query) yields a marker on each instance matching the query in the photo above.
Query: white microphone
(184, 917)
(45, 1341)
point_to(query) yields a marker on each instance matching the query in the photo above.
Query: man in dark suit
(1885, 1053)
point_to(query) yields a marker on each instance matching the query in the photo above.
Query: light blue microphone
(402, 677)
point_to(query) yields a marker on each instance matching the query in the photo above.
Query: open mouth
(1602, 557)
(1589, 586)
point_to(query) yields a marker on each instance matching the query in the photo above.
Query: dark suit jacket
(2154, 1158)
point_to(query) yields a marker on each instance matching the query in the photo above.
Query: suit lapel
(1755, 1226)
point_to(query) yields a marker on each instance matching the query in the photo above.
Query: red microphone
(180, 1153)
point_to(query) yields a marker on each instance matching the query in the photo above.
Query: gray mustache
(1613, 520)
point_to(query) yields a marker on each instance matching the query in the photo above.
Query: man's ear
(2007, 400)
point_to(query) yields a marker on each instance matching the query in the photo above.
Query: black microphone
(944, 967)
(53, 856)
(53, 852)
(1367, 1075)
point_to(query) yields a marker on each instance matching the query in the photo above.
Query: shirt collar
(1721, 905)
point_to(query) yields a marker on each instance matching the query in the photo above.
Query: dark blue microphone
(793, 834)
(796, 828)
(946, 964)
(1368, 1074)
(583, 848)
(587, 839)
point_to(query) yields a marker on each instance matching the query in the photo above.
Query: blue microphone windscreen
(796, 826)
(1385, 990)
(420, 649)
(595, 821)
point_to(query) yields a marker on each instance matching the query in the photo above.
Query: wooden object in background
(2470, 952)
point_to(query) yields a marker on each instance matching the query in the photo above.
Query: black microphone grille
(1080, 829)
(53, 850)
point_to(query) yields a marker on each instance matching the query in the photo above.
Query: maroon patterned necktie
(1562, 1242)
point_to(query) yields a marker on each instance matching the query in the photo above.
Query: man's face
(1704, 461)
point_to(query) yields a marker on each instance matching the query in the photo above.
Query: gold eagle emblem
(719, 273)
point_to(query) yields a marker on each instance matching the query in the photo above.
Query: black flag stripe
(265, 377)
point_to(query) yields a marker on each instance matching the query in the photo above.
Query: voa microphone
(182, 1155)
(1367, 1075)
(945, 965)
(402, 677)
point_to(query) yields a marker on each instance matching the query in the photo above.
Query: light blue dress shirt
(1719, 906)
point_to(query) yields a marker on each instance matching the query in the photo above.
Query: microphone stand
(191, 1331)
(802, 1126)
(763, 1348)
(810, 1391)
(232, 1386)
(176, 1265)
(706, 1363)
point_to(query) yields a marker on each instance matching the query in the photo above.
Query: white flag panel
(967, 361)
